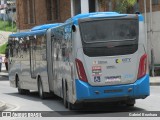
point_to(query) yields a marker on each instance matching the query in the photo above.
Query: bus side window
(34, 43)
(43, 47)
(10, 48)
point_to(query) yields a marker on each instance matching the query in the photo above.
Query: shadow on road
(90, 109)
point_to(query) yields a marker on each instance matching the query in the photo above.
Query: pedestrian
(0, 62)
(6, 63)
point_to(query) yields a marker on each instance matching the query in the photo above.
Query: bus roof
(37, 30)
(29, 33)
(99, 15)
(45, 26)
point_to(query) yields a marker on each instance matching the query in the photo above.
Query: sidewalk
(2, 106)
(3, 72)
(155, 81)
(3, 69)
(4, 36)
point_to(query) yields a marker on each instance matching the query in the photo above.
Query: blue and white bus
(28, 68)
(93, 57)
(100, 56)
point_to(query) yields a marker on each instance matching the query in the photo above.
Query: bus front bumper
(138, 90)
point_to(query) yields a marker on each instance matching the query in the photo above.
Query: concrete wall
(154, 42)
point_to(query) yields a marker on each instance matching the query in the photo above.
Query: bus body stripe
(140, 89)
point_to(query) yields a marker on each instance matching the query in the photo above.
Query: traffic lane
(32, 102)
(56, 104)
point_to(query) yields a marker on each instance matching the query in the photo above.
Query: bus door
(32, 56)
(56, 64)
(54, 58)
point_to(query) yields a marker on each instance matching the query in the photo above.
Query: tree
(125, 6)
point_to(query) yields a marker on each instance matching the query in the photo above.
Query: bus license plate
(113, 79)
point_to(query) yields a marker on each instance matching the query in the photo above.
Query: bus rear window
(107, 30)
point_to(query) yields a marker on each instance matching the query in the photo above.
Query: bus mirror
(137, 12)
(73, 28)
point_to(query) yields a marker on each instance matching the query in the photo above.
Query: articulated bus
(92, 57)
(28, 68)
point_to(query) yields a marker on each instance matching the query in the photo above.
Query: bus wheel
(130, 103)
(40, 89)
(75, 106)
(71, 106)
(21, 91)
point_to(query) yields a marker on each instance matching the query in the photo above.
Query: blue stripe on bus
(28, 33)
(45, 26)
(140, 89)
(141, 18)
(37, 30)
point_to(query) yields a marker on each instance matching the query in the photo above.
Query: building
(153, 30)
(35, 12)
(8, 10)
(83, 6)
(151, 11)
(3, 6)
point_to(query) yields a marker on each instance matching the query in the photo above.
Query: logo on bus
(124, 60)
(118, 60)
(100, 62)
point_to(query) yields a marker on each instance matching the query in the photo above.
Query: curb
(3, 75)
(2, 106)
(155, 81)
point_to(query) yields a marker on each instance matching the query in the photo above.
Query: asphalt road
(32, 102)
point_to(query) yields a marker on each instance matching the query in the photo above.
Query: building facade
(31, 13)
(8, 10)
(151, 11)
(35, 12)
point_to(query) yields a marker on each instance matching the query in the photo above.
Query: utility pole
(12, 20)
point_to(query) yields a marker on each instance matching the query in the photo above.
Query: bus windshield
(108, 30)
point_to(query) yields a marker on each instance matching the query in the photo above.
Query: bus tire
(65, 102)
(71, 106)
(21, 91)
(75, 106)
(40, 89)
(130, 103)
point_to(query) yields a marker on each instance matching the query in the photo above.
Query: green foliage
(7, 26)
(124, 6)
(3, 48)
